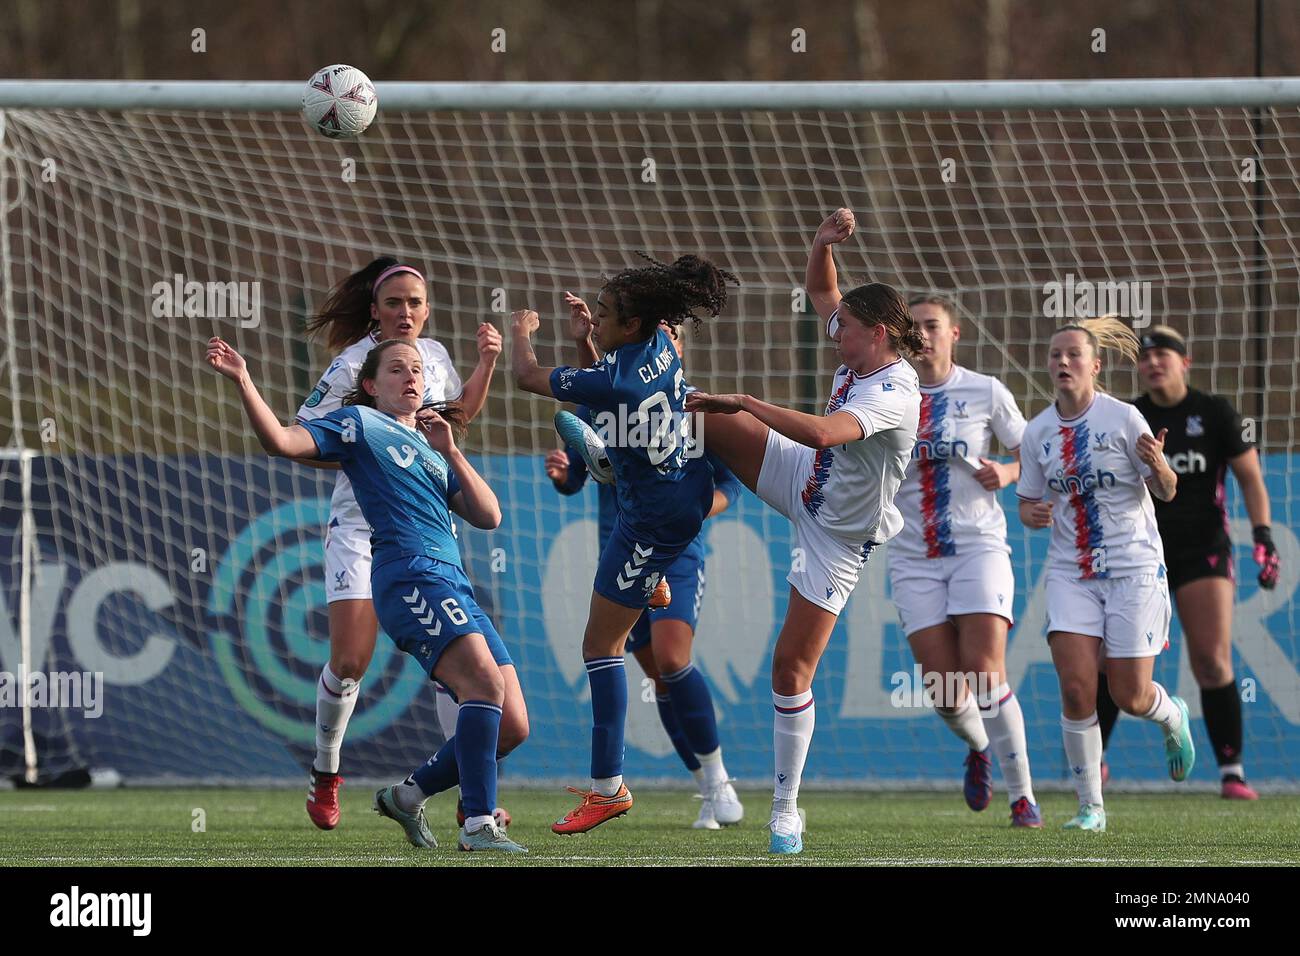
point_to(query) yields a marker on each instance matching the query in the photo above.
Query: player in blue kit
(664, 486)
(662, 637)
(408, 475)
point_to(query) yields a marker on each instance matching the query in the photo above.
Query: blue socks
(693, 705)
(475, 743)
(440, 772)
(608, 679)
(668, 717)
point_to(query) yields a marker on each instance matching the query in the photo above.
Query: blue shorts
(686, 579)
(424, 605)
(629, 570)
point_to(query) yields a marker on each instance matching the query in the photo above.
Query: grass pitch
(247, 827)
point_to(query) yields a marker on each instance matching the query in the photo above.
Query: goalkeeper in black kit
(1205, 438)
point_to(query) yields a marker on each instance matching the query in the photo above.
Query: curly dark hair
(669, 294)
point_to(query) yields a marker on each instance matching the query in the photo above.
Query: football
(339, 101)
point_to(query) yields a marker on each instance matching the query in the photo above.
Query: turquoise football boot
(1091, 816)
(787, 833)
(1180, 753)
(583, 439)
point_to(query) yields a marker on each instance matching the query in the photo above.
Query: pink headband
(391, 271)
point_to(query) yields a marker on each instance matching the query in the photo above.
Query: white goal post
(156, 547)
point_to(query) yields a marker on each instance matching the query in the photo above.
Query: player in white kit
(834, 476)
(950, 566)
(385, 300)
(1088, 467)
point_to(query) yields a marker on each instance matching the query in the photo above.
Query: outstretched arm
(821, 281)
(815, 431)
(288, 442)
(474, 394)
(529, 375)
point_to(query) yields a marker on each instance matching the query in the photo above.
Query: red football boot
(323, 798)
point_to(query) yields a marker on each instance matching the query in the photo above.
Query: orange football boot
(593, 811)
(663, 595)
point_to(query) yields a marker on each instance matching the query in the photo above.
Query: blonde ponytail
(1108, 332)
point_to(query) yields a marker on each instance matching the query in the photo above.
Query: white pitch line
(809, 860)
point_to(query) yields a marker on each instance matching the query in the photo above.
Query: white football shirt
(945, 510)
(1103, 521)
(441, 383)
(850, 488)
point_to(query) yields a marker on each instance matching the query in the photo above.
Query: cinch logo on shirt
(1079, 484)
(1187, 462)
(927, 449)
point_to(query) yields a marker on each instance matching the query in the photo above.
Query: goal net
(175, 568)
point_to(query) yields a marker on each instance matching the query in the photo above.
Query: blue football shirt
(636, 396)
(402, 485)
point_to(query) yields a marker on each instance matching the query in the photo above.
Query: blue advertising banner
(193, 590)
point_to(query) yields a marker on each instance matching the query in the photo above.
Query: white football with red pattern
(339, 101)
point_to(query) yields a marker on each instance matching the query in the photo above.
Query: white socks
(607, 786)
(335, 701)
(1083, 750)
(700, 780)
(1005, 725)
(792, 730)
(964, 721)
(714, 773)
(1164, 711)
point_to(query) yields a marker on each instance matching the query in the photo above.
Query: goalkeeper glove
(1266, 556)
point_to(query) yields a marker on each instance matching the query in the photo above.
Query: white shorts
(347, 563)
(1130, 614)
(929, 591)
(825, 566)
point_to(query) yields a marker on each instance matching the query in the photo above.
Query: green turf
(270, 827)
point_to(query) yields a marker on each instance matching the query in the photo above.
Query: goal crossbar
(493, 97)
